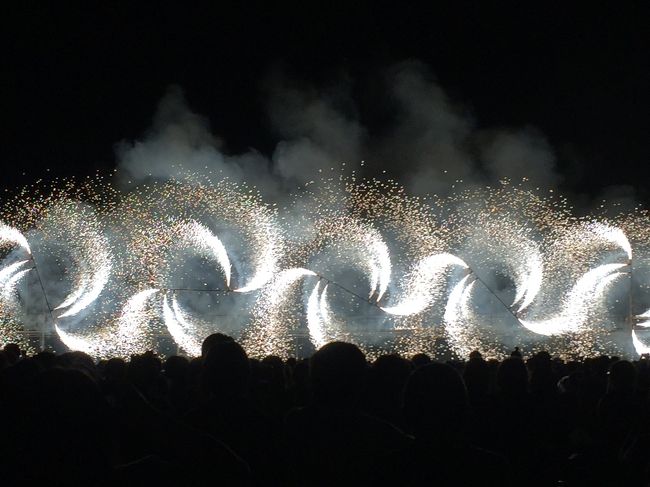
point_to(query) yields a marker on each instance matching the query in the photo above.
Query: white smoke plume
(433, 141)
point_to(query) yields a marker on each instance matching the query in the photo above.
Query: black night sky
(77, 79)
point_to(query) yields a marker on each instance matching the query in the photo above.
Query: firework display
(165, 265)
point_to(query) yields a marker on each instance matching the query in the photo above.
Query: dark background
(78, 78)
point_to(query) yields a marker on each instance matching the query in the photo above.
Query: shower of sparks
(314, 318)
(90, 251)
(12, 236)
(459, 331)
(272, 321)
(179, 328)
(575, 310)
(346, 259)
(197, 235)
(424, 283)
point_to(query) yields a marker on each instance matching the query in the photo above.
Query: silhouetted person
(477, 378)
(436, 409)
(13, 352)
(213, 339)
(230, 415)
(68, 441)
(620, 411)
(542, 378)
(332, 442)
(420, 359)
(386, 379)
(176, 372)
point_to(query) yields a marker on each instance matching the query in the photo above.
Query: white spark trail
(11, 235)
(575, 307)
(424, 282)
(180, 328)
(315, 323)
(207, 243)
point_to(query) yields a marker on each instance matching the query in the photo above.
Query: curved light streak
(531, 281)
(179, 327)
(77, 343)
(315, 323)
(612, 234)
(73, 296)
(9, 271)
(11, 235)
(86, 295)
(268, 333)
(9, 287)
(423, 282)
(130, 320)
(576, 305)
(128, 337)
(639, 346)
(456, 311)
(203, 239)
(267, 261)
(378, 262)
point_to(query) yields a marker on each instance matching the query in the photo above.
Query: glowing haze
(304, 245)
(118, 273)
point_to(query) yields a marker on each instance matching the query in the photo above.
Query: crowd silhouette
(332, 419)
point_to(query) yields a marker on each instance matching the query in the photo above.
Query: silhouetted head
(143, 370)
(435, 402)
(420, 359)
(512, 376)
(477, 376)
(176, 368)
(475, 355)
(390, 372)
(46, 359)
(273, 361)
(622, 376)
(78, 360)
(13, 352)
(226, 370)
(212, 340)
(516, 353)
(337, 372)
(115, 370)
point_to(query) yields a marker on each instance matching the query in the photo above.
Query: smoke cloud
(432, 143)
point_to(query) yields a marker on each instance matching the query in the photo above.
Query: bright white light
(180, 328)
(314, 320)
(531, 281)
(11, 235)
(9, 287)
(612, 234)
(8, 271)
(423, 283)
(378, 262)
(130, 322)
(75, 342)
(456, 312)
(208, 243)
(85, 296)
(266, 260)
(575, 307)
(638, 345)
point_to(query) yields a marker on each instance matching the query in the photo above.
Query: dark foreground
(225, 419)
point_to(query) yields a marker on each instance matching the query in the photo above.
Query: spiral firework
(360, 260)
